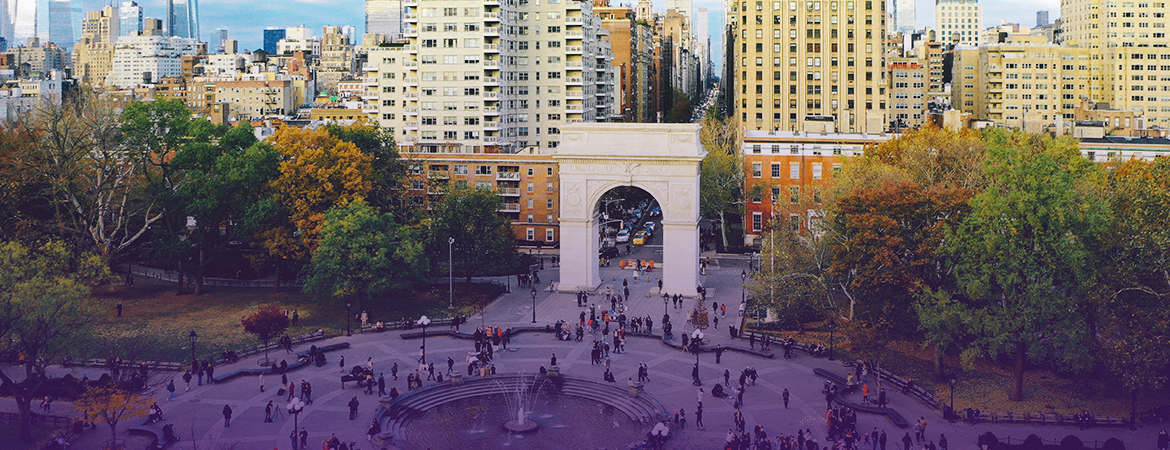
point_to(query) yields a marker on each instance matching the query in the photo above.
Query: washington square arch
(663, 160)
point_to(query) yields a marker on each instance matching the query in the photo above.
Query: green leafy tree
(44, 307)
(721, 179)
(388, 171)
(1026, 251)
(793, 280)
(483, 238)
(364, 255)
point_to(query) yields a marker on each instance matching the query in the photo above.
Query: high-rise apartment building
(684, 7)
(148, 59)
(821, 59)
(130, 18)
(632, 46)
(958, 21)
(183, 18)
(1041, 18)
(904, 16)
(271, 37)
(218, 38)
(492, 77)
(384, 17)
(94, 53)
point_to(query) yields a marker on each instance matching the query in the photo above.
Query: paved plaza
(198, 420)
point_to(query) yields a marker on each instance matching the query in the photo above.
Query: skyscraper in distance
(272, 35)
(218, 38)
(130, 19)
(904, 16)
(58, 21)
(963, 18)
(384, 17)
(183, 18)
(1041, 18)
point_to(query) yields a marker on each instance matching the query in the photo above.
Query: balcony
(494, 126)
(491, 64)
(574, 20)
(409, 95)
(491, 48)
(573, 64)
(491, 81)
(574, 95)
(410, 2)
(574, 109)
(490, 111)
(508, 176)
(574, 34)
(369, 110)
(491, 31)
(411, 125)
(438, 175)
(491, 17)
(509, 207)
(411, 81)
(574, 50)
(573, 81)
(410, 64)
(492, 95)
(491, 139)
(510, 192)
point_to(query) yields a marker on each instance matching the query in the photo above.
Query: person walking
(268, 411)
(918, 432)
(341, 363)
(699, 417)
(304, 437)
(292, 436)
(187, 380)
(381, 385)
(906, 441)
(882, 440)
(227, 415)
(1163, 440)
(210, 372)
(353, 408)
(171, 390)
(394, 371)
(718, 352)
(785, 395)
(261, 382)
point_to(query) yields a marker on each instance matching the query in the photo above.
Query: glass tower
(183, 18)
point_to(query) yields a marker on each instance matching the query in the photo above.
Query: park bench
(890, 413)
(154, 431)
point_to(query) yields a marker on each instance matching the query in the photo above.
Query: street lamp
(451, 274)
(832, 327)
(193, 337)
(423, 322)
(665, 297)
(954, 380)
(696, 338)
(347, 305)
(743, 276)
(295, 406)
(533, 304)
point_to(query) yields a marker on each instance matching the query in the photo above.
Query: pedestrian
(695, 373)
(120, 303)
(353, 408)
(1163, 440)
(882, 440)
(227, 415)
(906, 441)
(171, 389)
(942, 441)
(422, 353)
(718, 352)
(785, 395)
(187, 380)
(700, 397)
(341, 363)
(922, 421)
(726, 377)
(881, 398)
(292, 436)
(381, 385)
(751, 340)
(210, 372)
(450, 365)
(268, 411)
(918, 432)
(370, 362)
(304, 437)
(865, 393)
(699, 417)
(873, 438)
(261, 382)
(716, 322)
(394, 371)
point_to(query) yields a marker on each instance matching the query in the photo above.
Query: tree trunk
(113, 433)
(181, 278)
(24, 406)
(276, 277)
(1018, 374)
(723, 229)
(939, 369)
(1133, 410)
(199, 272)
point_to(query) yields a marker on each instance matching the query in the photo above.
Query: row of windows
(793, 170)
(793, 149)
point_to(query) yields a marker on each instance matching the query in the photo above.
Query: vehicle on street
(655, 212)
(607, 252)
(623, 236)
(649, 226)
(640, 238)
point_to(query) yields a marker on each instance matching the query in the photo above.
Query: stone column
(578, 255)
(680, 257)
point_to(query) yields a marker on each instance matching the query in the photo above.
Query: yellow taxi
(640, 237)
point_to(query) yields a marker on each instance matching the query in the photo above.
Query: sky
(246, 20)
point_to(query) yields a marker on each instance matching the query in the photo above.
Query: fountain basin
(515, 426)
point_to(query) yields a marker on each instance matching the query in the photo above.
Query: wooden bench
(151, 431)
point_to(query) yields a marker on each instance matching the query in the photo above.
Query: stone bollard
(554, 371)
(636, 388)
(456, 379)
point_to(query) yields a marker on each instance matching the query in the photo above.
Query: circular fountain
(520, 411)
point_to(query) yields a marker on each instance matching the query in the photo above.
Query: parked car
(607, 252)
(640, 237)
(623, 236)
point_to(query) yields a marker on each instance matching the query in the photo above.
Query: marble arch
(663, 160)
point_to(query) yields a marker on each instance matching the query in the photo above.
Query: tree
(364, 254)
(100, 188)
(112, 405)
(721, 179)
(792, 276)
(267, 322)
(1026, 251)
(483, 238)
(317, 171)
(388, 170)
(44, 305)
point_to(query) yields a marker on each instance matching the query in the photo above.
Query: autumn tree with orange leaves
(111, 405)
(317, 171)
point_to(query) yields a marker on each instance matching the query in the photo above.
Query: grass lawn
(41, 436)
(986, 385)
(156, 321)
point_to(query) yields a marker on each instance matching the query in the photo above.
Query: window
(757, 221)
(549, 218)
(775, 170)
(549, 203)
(549, 234)
(793, 194)
(483, 170)
(816, 171)
(757, 170)
(794, 170)
(530, 234)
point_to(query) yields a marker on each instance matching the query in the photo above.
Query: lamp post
(193, 337)
(743, 276)
(696, 339)
(832, 327)
(954, 380)
(348, 304)
(295, 406)
(423, 322)
(451, 274)
(533, 304)
(665, 297)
